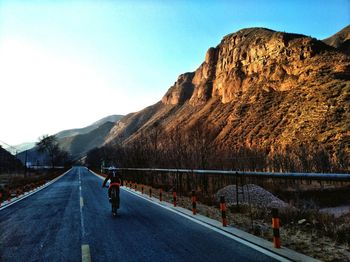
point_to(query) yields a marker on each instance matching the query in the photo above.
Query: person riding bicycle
(115, 177)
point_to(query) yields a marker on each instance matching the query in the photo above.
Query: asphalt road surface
(71, 220)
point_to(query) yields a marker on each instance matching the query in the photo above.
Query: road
(72, 217)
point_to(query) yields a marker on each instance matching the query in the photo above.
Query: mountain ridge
(76, 141)
(340, 40)
(89, 128)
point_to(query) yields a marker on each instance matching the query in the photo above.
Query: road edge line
(24, 196)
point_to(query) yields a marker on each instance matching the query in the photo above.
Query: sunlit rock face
(261, 58)
(250, 59)
(258, 88)
(181, 90)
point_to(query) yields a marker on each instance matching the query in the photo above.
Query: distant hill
(76, 141)
(8, 162)
(23, 147)
(87, 129)
(78, 145)
(340, 40)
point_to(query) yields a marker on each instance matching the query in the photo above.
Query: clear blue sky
(65, 64)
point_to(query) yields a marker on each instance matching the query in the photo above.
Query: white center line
(85, 253)
(81, 207)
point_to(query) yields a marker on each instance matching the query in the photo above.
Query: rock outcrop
(181, 91)
(255, 58)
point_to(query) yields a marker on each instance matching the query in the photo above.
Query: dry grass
(16, 184)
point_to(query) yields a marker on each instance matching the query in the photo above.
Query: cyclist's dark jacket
(115, 177)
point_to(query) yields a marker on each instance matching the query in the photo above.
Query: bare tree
(49, 145)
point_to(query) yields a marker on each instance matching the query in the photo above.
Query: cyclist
(115, 177)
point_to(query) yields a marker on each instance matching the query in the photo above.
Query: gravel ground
(255, 194)
(336, 211)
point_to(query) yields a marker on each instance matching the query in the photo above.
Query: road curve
(72, 218)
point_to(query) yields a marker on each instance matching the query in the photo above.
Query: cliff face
(257, 88)
(256, 58)
(181, 91)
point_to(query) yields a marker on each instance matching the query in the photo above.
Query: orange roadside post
(194, 203)
(223, 211)
(174, 199)
(276, 228)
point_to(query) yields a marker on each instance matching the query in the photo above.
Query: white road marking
(85, 253)
(81, 207)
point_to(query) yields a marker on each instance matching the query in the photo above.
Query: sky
(66, 64)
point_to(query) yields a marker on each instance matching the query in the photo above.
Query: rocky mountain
(260, 89)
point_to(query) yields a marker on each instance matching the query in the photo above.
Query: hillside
(79, 145)
(8, 163)
(76, 141)
(89, 128)
(258, 89)
(340, 40)
(22, 147)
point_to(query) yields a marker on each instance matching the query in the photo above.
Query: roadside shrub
(342, 233)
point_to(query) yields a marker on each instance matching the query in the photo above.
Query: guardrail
(305, 176)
